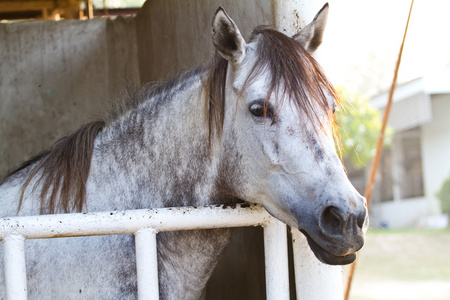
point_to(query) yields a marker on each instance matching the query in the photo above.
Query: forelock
(293, 74)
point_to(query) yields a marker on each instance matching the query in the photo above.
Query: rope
(371, 180)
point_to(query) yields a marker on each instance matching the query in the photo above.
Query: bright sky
(363, 38)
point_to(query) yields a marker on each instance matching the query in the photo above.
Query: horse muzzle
(339, 236)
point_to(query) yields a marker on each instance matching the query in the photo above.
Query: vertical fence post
(313, 279)
(15, 270)
(147, 264)
(292, 15)
(276, 259)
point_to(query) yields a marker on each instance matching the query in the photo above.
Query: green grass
(410, 258)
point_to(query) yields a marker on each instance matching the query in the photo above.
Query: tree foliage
(360, 126)
(444, 196)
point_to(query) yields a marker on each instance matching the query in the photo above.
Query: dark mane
(214, 85)
(64, 168)
(63, 171)
(294, 73)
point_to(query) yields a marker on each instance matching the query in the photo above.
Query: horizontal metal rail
(130, 221)
(145, 224)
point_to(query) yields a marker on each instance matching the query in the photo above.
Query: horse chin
(325, 256)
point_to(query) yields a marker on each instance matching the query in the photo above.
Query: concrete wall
(55, 76)
(436, 150)
(399, 214)
(176, 35)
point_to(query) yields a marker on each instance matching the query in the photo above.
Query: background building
(414, 168)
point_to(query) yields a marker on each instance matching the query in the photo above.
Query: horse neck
(157, 155)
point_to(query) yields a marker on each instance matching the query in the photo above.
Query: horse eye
(260, 110)
(257, 109)
(333, 108)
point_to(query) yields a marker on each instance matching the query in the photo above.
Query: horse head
(277, 146)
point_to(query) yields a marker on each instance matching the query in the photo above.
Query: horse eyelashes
(261, 110)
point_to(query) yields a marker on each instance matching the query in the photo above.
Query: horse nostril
(361, 219)
(331, 221)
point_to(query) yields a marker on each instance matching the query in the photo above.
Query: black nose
(334, 222)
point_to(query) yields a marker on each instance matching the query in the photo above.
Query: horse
(254, 124)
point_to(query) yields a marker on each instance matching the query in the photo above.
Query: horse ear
(310, 37)
(227, 38)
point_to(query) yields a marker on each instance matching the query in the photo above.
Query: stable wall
(176, 35)
(55, 76)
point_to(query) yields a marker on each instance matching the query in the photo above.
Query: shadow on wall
(56, 76)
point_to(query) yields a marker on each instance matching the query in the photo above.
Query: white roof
(438, 82)
(434, 83)
(412, 102)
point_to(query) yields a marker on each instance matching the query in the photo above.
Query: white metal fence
(314, 280)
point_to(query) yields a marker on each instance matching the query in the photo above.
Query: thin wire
(379, 149)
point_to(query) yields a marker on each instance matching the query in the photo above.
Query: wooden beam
(90, 9)
(11, 6)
